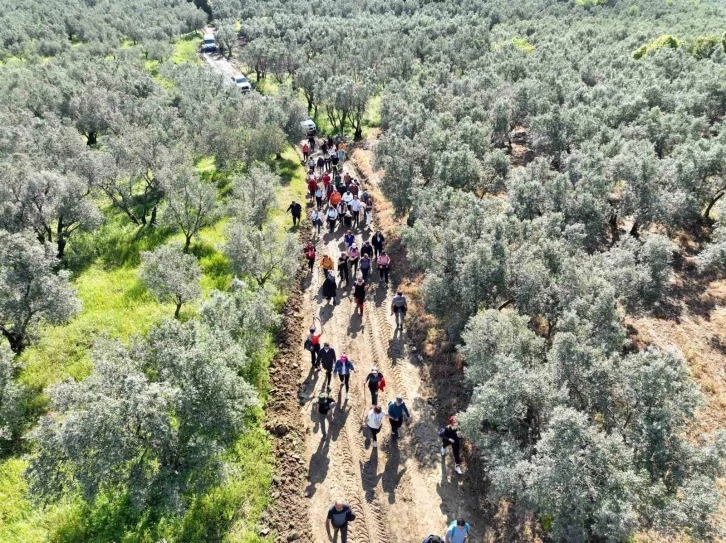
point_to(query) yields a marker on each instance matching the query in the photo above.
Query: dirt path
(402, 490)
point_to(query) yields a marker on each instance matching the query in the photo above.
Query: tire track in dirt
(347, 451)
(396, 489)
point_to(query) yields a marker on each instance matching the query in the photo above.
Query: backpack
(308, 345)
(310, 254)
(382, 383)
(433, 539)
(453, 525)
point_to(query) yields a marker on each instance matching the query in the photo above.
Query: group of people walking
(338, 199)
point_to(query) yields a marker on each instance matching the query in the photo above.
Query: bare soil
(402, 490)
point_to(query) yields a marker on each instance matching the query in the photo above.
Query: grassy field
(117, 304)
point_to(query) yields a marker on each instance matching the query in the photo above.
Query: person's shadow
(319, 464)
(391, 477)
(369, 475)
(339, 417)
(355, 325)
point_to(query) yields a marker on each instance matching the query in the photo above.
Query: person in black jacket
(451, 436)
(373, 380)
(343, 268)
(378, 241)
(295, 210)
(359, 294)
(367, 249)
(327, 359)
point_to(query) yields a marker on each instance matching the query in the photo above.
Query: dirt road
(403, 490)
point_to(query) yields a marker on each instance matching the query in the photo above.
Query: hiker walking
(330, 287)
(349, 239)
(378, 241)
(327, 263)
(451, 436)
(343, 368)
(343, 268)
(375, 382)
(374, 420)
(397, 410)
(458, 531)
(367, 249)
(319, 196)
(332, 216)
(355, 210)
(295, 210)
(310, 256)
(359, 294)
(312, 342)
(312, 187)
(365, 267)
(354, 256)
(399, 306)
(384, 264)
(321, 165)
(325, 402)
(317, 219)
(327, 358)
(305, 151)
(339, 515)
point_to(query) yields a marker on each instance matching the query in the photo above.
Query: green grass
(116, 304)
(293, 187)
(186, 49)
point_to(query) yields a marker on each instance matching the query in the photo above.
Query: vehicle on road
(309, 126)
(242, 83)
(209, 43)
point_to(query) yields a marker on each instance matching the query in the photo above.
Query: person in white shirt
(317, 220)
(347, 198)
(355, 209)
(332, 217)
(374, 421)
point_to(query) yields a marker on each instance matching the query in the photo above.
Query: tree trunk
(358, 135)
(92, 139)
(152, 221)
(187, 243)
(178, 308)
(61, 246)
(614, 232)
(711, 204)
(17, 341)
(634, 229)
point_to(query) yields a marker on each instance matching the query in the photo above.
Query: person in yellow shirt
(327, 263)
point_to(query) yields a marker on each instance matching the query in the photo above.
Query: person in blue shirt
(343, 368)
(458, 531)
(396, 411)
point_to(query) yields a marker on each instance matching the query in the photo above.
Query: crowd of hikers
(345, 206)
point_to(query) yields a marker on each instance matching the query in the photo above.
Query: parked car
(209, 43)
(309, 126)
(242, 83)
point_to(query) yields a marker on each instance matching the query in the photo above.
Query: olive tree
(190, 202)
(53, 205)
(13, 398)
(31, 291)
(171, 275)
(253, 195)
(261, 254)
(152, 420)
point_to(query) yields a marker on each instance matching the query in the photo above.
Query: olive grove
(546, 155)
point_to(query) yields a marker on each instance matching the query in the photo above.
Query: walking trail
(403, 490)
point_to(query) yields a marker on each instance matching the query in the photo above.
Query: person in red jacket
(312, 187)
(309, 251)
(306, 151)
